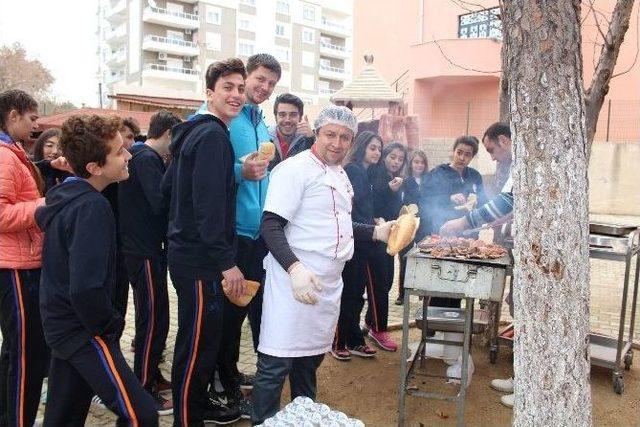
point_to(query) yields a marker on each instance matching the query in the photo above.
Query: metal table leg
(404, 355)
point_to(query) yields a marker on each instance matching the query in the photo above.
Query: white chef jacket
(316, 200)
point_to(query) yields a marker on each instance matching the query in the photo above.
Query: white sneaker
(507, 400)
(505, 386)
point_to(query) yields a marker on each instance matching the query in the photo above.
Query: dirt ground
(368, 390)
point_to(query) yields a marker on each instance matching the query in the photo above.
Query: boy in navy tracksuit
(202, 241)
(77, 291)
(143, 229)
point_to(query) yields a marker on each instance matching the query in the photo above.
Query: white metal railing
(169, 69)
(333, 25)
(118, 56)
(332, 69)
(116, 77)
(119, 31)
(177, 42)
(333, 46)
(117, 8)
(173, 13)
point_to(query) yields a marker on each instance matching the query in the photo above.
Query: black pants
(197, 343)
(122, 286)
(379, 275)
(97, 368)
(403, 269)
(363, 271)
(24, 355)
(148, 277)
(269, 381)
(249, 259)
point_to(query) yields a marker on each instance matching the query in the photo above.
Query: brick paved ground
(606, 293)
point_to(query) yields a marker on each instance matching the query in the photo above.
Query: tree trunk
(551, 279)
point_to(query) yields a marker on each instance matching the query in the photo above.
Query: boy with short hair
(143, 232)
(78, 282)
(203, 241)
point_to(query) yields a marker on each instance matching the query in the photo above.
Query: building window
(214, 41)
(246, 24)
(308, 82)
(308, 59)
(282, 7)
(282, 54)
(309, 14)
(214, 15)
(280, 30)
(248, 2)
(479, 25)
(245, 48)
(308, 36)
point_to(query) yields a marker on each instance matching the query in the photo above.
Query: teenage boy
(143, 230)
(77, 291)
(202, 240)
(247, 130)
(292, 133)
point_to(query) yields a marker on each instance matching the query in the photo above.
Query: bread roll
(243, 300)
(267, 151)
(404, 230)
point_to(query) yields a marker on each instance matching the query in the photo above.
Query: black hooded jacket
(202, 228)
(78, 267)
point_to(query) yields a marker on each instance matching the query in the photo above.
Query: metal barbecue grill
(468, 279)
(616, 243)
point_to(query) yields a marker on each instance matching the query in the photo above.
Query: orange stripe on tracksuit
(372, 297)
(119, 384)
(152, 318)
(193, 354)
(23, 339)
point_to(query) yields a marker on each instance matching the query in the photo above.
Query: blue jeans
(272, 371)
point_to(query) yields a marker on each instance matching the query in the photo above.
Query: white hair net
(335, 114)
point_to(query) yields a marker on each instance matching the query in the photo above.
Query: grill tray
(610, 229)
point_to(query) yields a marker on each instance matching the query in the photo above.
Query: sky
(62, 35)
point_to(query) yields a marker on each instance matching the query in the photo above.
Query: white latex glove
(305, 284)
(381, 232)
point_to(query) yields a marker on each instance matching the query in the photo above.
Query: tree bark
(551, 278)
(597, 91)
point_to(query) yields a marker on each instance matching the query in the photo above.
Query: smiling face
(394, 161)
(287, 119)
(19, 126)
(227, 97)
(462, 156)
(51, 149)
(332, 143)
(260, 84)
(115, 168)
(372, 152)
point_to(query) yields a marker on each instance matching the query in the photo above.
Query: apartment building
(161, 48)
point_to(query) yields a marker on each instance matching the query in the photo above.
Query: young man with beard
(81, 325)
(202, 241)
(308, 229)
(247, 130)
(291, 133)
(143, 227)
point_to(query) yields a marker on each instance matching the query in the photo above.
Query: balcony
(327, 92)
(167, 72)
(115, 77)
(333, 73)
(335, 51)
(468, 55)
(168, 45)
(117, 12)
(117, 59)
(171, 18)
(117, 35)
(331, 27)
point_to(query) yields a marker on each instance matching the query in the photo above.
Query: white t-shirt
(316, 200)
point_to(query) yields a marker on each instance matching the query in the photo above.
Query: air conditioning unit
(186, 58)
(162, 56)
(187, 32)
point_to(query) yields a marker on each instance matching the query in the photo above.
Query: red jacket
(20, 237)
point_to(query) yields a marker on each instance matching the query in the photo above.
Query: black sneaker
(220, 414)
(245, 381)
(245, 406)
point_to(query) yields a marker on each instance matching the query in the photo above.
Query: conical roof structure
(367, 90)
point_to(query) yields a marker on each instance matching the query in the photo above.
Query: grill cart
(619, 244)
(468, 279)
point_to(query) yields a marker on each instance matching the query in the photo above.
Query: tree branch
(458, 65)
(595, 94)
(635, 58)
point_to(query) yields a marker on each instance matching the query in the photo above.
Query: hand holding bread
(404, 230)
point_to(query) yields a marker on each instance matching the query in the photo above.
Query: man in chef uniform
(308, 230)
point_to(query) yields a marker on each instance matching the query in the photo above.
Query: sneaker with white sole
(504, 386)
(163, 405)
(383, 340)
(507, 400)
(363, 351)
(341, 354)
